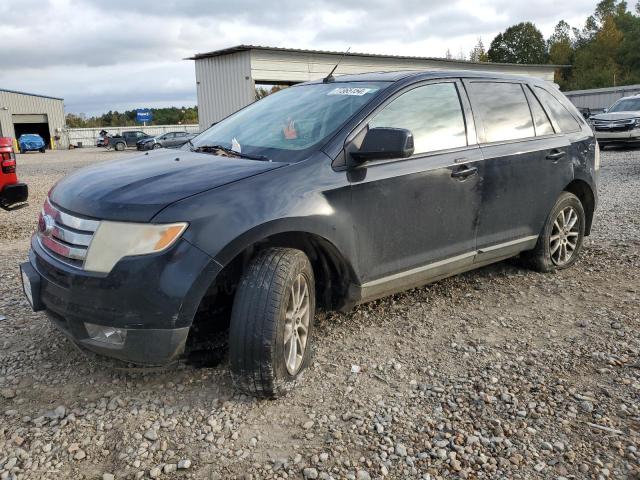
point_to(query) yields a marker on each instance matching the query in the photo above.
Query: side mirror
(385, 143)
(605, 110)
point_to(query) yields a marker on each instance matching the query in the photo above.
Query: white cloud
(122, 54)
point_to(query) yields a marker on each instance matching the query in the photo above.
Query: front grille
(614, 125)
(64, 236)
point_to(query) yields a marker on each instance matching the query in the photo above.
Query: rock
(307, 425)
(586, 406)
(310, 473)
(8, 393)
(363, 475)
(151, 434)
(108, 476)
(184, 464)
(60, 411)
(170, 468)
(155, 472)
(80, 455)
(401, 450)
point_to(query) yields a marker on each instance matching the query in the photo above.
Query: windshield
(288, 124)
(30, 136)
(627, 105)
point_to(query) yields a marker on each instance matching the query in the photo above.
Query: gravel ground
(498, 373)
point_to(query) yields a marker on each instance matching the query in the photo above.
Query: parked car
(127, 139)
(320, 196)
(31, 142)
(12, 192)
(620, 124)
(166, 140)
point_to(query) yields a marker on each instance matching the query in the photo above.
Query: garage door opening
(41, 129)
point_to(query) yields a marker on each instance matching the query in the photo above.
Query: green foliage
(605, 52)
(478, 54)
(522, 43)
(161, 116)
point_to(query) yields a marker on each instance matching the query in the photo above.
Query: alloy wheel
(296, 325)
(564, 236)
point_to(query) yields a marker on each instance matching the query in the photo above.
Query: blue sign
(143, 115)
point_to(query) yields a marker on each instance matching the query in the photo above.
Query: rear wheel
(42, 150)
(560, 241)
(270, 337)
(119, 146)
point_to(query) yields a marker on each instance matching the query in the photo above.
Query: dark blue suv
(323, 195)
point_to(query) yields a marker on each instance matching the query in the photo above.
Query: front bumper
(12, 194)
(144, 146)
(604, 136)
(152, 298)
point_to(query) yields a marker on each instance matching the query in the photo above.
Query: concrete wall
(224, 85)
(13, 103)
(88, 136)
(600, 98)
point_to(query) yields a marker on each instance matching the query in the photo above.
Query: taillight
(8, 163)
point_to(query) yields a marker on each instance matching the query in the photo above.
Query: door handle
(555, 156)
(464, 172)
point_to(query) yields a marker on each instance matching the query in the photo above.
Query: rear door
(526, 166)
(413, 212)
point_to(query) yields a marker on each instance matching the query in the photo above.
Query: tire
(156, 146)
(547, 255)
(119, 146)
(263, 312)
(42, 150)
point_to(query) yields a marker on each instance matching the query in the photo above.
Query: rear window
(564, 120)
(503, 111)
(540, 118)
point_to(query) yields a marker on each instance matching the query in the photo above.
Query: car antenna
(330, 77)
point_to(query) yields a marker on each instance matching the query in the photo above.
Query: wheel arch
(583, 191)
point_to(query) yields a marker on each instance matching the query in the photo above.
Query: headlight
(637, 122)
(113, 241)
(596, 163)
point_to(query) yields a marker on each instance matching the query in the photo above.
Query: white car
(619, 124)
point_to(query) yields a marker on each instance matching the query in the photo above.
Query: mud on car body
(321, 196)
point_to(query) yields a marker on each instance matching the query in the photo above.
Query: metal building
(30, 113)
(600, 98)
(226, 79)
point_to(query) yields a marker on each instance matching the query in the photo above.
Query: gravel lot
(498, 373)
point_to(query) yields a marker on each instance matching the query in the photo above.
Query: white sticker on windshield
(235, 145)
(357, 91)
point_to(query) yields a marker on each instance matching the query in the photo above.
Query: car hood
(616, 116)
(137, 188)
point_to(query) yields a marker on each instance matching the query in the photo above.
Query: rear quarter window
(563, 118)
(503, 111)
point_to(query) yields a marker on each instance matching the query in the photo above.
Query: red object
(11, 192)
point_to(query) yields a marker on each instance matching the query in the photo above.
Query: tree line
(161, 116)
(605, 52)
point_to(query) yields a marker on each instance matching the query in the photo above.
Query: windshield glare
(287, 125)
(628, 105)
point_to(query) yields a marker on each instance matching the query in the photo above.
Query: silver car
(620, 124)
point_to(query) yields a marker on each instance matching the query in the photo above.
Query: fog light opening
(106, 334)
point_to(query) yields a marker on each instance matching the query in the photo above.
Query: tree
(478, 54)
(522, 43)
(560, 48)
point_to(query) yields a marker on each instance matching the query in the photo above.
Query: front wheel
(42, 150)
(156, 146)
(270, 337)
(560, 241)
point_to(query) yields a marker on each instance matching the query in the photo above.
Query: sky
(104, 55)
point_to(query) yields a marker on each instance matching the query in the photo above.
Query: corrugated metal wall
(19, 103)
(600, 98)
(224, 85)
(88, 136)
(274, 66)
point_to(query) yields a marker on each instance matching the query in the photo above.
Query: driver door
(415, 218)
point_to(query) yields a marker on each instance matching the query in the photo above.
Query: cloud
(123, 53)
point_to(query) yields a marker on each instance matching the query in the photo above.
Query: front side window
(559, 112)
(503, 111)
(432, 113)
(287, 125)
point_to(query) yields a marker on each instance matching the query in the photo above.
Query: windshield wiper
(209, 148)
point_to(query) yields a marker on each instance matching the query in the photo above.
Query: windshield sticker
(356, 91)
(235, 145)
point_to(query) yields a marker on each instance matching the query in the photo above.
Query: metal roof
(244, 48)
(30, 94)
(594, 91)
